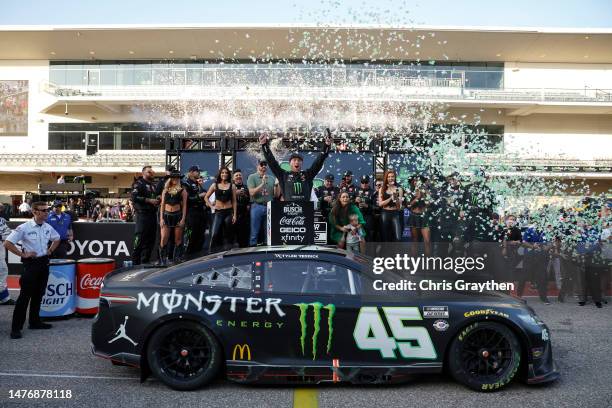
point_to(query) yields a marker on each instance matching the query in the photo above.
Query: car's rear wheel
(184, 355)
(485, 356)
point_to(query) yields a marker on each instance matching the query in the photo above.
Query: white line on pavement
(61, 375)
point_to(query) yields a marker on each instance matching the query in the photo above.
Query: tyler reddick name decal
(176, 302)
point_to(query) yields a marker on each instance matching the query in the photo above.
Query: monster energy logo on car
(316, 308)
(297, 188)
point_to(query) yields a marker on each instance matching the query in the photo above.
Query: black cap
(296, 156)
(365, 179)
(348, 173)
(329, 177)
(176, 174)
(195, 167)
(170, 168)
(263, 162)
(57, 203)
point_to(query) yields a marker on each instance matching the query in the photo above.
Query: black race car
(309, 315)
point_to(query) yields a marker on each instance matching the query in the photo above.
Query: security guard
(35, 236)
(195, 226)
(62, 223)
(145, 203)
(327, 194)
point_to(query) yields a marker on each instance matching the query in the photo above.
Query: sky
(515, 13)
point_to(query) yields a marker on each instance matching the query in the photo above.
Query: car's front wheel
(184, 355)
(485, 356)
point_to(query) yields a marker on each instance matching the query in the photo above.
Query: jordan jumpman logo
(121, 333)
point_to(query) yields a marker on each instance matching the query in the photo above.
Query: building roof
(244, 42)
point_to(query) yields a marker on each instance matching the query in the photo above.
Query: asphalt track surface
(60, 359)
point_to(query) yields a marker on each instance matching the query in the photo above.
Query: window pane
(306, 277)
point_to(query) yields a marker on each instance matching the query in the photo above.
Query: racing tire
(184, 355)
(485, 356)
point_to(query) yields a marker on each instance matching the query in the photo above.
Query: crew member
(243, 207)
(35, 236)
(346, 185)
(327, 194)
(62, 223)
(296, 184)
(364, 199)
(195, 226)
(145, 203)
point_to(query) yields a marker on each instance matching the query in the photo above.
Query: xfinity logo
(293, 209)
(97, 248)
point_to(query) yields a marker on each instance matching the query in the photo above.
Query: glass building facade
(481, 75)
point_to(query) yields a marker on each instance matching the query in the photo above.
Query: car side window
(226, 276)
(308, 277)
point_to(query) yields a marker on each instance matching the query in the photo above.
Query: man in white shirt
(34, 236)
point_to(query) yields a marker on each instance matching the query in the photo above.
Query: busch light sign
(290, 223)
(60, 295)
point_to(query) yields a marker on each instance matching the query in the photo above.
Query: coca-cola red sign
(89, 282)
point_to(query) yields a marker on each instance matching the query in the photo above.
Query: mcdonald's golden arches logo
(243, 350)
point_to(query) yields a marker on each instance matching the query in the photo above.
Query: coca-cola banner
(92, 240)
(290, 223)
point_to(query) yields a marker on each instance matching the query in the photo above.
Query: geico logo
(241, 350)
(95, 248)
(88, 282)
(292, 229)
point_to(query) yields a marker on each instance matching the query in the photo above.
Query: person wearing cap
(62, 223)
(173, 213)
(364, 199)
(162, 181)
(347, 185)
(195, 225)
(145, 203)
(327, 194)
(296, 184)
(449, 214)
(261, 191)
(35, 236)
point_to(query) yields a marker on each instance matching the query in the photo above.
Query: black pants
(221, 231)
(61, 252)
(33, 282)
(534, 269)
(369, 227)
(592, 281)
(144, 237)
(390, 227)
(243, 228)
(195, 227)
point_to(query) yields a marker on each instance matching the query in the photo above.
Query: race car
(308, 315)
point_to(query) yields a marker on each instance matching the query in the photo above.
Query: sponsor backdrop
(360, 163)
(291, 223)
(92, 240)
(208, 161)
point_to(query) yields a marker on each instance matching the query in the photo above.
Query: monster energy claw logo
(297, 188)
(316, 308)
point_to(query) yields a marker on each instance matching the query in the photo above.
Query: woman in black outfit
(225, 208)
(172, 217)
(419, 221)
(390, 197)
